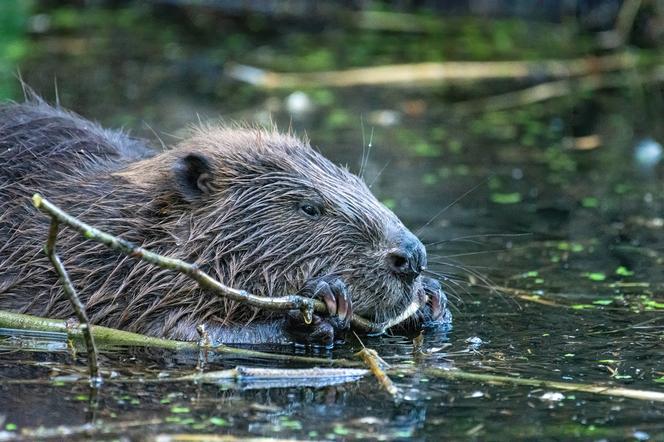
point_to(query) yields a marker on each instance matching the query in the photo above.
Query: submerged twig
(245, 377)
(113, 337)
(75, 301)
(605, 390)
(282, 303)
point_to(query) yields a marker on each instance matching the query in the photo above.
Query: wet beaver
(256, 209)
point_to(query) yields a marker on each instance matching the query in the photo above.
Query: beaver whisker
(450, 286)
(469, 266)
(470, 238)
(378, 174)
(480, 252)
(485, 280)
(455, 201)
(364, 162)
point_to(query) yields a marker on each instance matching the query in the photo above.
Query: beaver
(257, 209)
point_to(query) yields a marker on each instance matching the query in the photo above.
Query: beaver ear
(193, 176)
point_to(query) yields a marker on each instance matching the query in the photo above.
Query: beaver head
(266, 212)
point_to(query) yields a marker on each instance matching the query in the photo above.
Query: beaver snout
(407, 257)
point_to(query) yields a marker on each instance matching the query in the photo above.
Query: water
(551, 247)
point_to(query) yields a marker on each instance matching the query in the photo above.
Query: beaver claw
(435, 310)
(322, 330)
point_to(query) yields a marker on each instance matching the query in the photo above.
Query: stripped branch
(244, 377)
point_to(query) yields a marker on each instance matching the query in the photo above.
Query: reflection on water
(550, 242)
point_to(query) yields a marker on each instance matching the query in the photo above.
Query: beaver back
(38, 141)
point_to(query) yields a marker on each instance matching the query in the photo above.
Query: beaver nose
(408, 257)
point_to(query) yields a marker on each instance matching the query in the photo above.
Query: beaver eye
(311, 210)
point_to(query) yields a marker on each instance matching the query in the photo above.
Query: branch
(244, 377)
(375, 364)
(433, 73)
(605, 390)
(282, 303)
(79, 309)
(112, 337)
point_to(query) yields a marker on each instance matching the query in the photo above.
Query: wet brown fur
(245, 228)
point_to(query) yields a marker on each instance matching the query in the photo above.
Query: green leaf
(590, 202)
(506, 198)
(218, 421)
(340, 430)
(576, 247)
(291, 424)
(595, 276)
(603, 301)
(654, 304)
(624, 271)
(429, 179)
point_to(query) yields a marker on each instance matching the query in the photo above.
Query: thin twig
(605, 390)
(375, 364)
(282, 303)
(79, 308)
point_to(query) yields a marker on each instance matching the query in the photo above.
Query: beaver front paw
(322, 330)
(435, 311)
